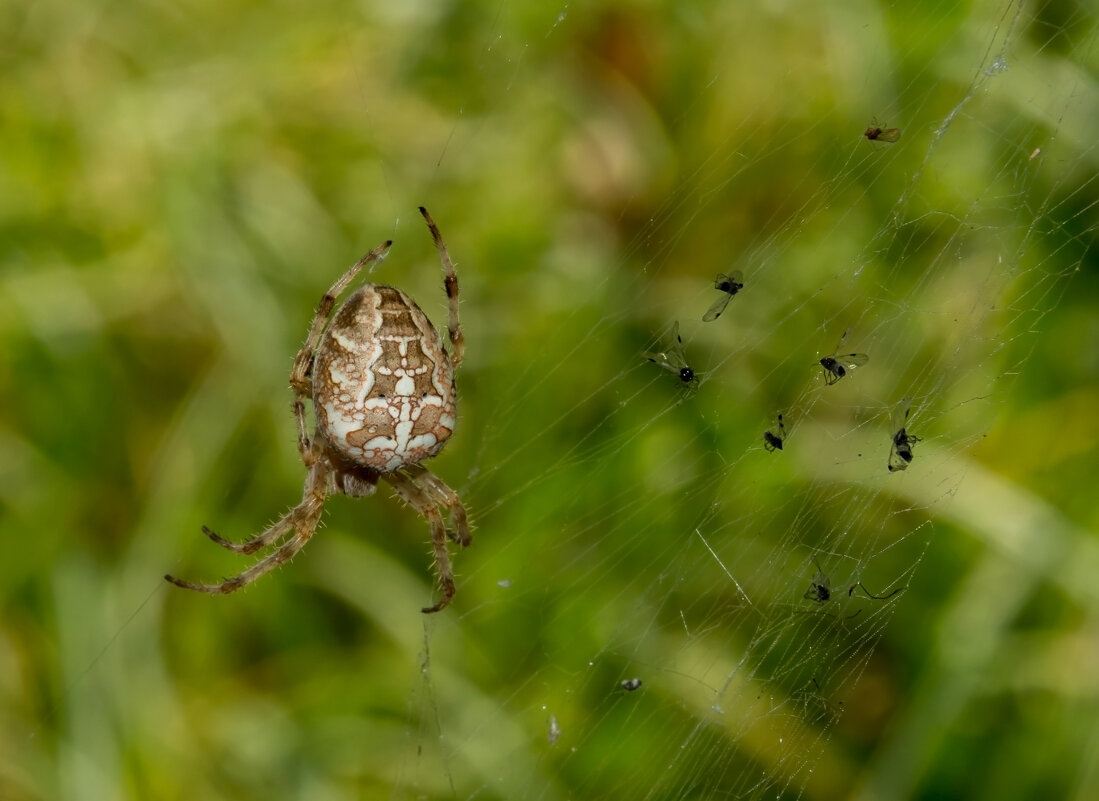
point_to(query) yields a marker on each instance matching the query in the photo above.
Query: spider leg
(272, 534)
(305, 445)
(301, 380)
(303, 518)
(415, 496)
(450, 281)
(443, 495)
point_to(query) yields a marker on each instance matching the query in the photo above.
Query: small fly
(728, 285)
(900, 454)
(878, 133)
(838, 365)
(820, 588)
(674, 361)
(774, 436)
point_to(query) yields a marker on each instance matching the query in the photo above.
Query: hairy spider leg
(412, 494)
(450, 283)
(303, 518)
(443, 495)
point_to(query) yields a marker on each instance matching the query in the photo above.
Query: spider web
(654, 605)
(673, 547)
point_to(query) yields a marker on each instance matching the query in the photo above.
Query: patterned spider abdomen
(383, 385)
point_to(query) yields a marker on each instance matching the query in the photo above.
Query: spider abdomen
(383, 385)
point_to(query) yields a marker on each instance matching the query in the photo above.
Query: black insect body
(728, 285)
(900, 454)
(837, 365)
(775, 436)
(629, 685)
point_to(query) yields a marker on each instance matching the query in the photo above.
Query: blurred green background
(179, 183)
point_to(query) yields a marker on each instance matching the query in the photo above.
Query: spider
(382, 387)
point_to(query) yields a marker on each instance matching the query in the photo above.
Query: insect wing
(715, 311)
(878, 133)
(667, 359)
(852, 360)
(675, 352)
(673, 360)
(660, 358)
(900, 414)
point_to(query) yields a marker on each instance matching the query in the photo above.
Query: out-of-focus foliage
(180, 182)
